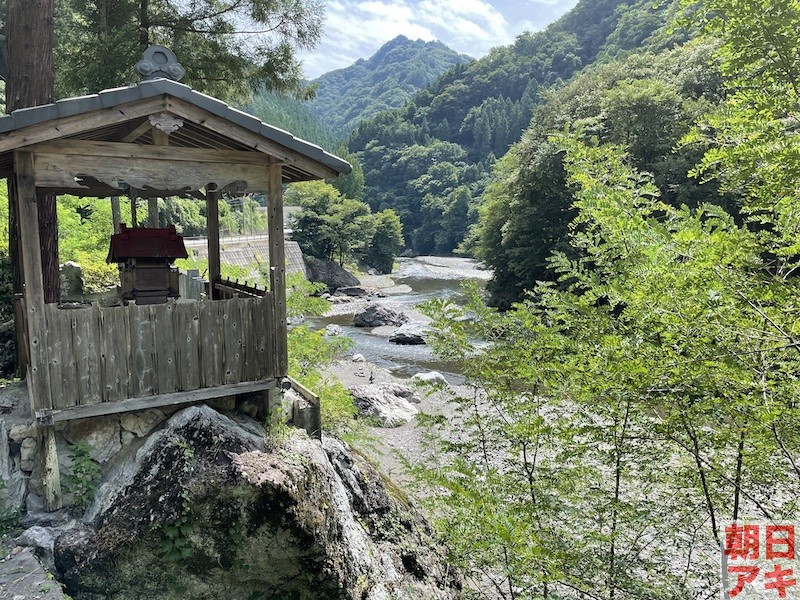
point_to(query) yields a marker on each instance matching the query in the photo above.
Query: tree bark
(30, 82)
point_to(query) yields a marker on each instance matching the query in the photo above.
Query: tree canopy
(228, 47)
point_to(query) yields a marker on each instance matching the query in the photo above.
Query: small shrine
(145, 256)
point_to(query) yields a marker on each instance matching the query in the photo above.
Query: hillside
(430, 160)
(382, 82)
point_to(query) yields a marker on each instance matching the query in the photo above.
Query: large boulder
(386, 404)
(376, 315)
(329, 273)
(214, 506)
(410, 334)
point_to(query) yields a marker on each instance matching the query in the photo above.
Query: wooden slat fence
(96, 355)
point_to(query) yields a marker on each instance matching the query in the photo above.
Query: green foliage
(331, 226)
(386, 242)
(648, 397)
(98, 43)
(83, 477)
(309, 352)
(750, 142)
(646, 102)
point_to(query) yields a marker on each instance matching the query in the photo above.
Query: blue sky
(355, 29)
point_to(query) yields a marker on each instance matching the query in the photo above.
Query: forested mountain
(382, 82)
(430, 160)
(345, 97)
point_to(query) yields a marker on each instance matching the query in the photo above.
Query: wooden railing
(94, 356)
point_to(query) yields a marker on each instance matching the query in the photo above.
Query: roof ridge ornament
(160, 61)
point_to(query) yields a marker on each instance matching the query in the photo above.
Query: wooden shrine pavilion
(158, 138)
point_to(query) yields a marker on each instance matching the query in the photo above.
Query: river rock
(388, 404)
(431, 378)
(376, 315)
(204, 509)
(355, 291)
(333, 330)
(329, 273)
(410, 334)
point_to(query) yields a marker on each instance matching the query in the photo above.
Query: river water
(416, 280)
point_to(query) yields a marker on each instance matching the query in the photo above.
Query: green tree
(329, 225)
(618, 418)
(386, 242)
(227, 47)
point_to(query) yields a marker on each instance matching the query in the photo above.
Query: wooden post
(160, 138)
(116, 216)
(51, 476)
(277, 266)
(134, 223)
(152, 212)
(212, 235)
(39, 394)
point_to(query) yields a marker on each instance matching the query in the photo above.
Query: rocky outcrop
(410, 334)
(386, 404)
(329, 273)
(211, 506)
(376, 315)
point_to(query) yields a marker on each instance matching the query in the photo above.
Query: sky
(356, 29)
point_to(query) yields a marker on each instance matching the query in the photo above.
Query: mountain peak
(384, 81)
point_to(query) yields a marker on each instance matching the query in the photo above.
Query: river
(415, 281)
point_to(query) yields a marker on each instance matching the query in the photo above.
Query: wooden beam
(149, 175)
(171, 399)
(135, 130)
(249, 138)
(212, 235)
(67, 126)
(277, 266)
(160, 153)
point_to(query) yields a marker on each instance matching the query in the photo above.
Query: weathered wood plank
(249, 338)
(142, 352)
(261, 328)
(53, 355)
(80, 322)
(186, 324)
(97, 380)
(211, 343)
(67, 394)
(269, 342)
(115, 334)
(107, 408)
(233, 341)
(166, 348)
